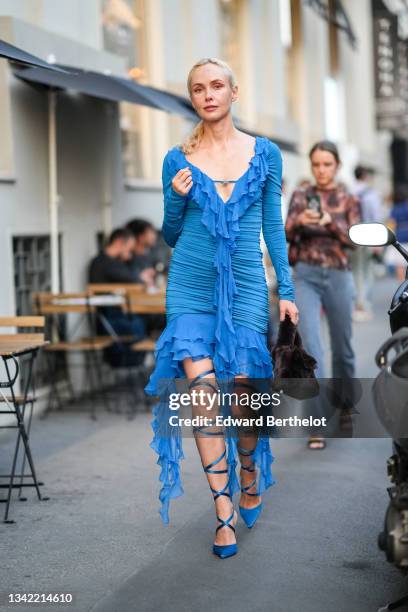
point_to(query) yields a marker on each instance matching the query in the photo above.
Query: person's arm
(272, 225)
(174, 205)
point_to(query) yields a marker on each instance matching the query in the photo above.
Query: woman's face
(324, 168)
(211, 93)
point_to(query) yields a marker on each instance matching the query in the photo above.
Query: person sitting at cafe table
(141, 263)
(149, 263)
(110, 266)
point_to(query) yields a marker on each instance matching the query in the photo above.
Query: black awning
(15, 54)
(91, 83)
(119, 89)
(336, 15)
(107, 87)
(168, 102)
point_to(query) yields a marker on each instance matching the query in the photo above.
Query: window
(333, 40)
(32, 273)
(230, 28)
(292, 41)
(32, 269)
(333, 102)
(333, 87)
(233, 38)
(131, 122)
(124, 32)
(122, 23)
(285, 23)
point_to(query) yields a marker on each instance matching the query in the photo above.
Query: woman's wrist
(176, 195)
(287, 298)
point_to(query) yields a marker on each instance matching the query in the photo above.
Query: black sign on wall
(391, 71)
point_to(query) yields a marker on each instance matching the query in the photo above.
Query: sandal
(226, 550)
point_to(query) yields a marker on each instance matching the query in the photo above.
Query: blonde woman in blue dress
(221, 187)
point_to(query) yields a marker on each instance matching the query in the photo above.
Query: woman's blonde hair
(193, 139)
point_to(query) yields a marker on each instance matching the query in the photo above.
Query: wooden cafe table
(147, 303)
(12, 347)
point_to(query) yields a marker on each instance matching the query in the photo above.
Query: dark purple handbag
(293, 366)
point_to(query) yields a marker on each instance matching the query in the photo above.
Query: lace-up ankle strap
(218, 492)
(200, 429)
(198, 382)
(248, 468)
(226, 522)
(246, 452)
(208, 467)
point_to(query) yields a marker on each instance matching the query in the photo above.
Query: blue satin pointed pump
(249, 515)
(226, 550)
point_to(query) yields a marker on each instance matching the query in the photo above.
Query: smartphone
(313, 203)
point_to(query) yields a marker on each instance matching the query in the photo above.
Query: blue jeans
(334, 290)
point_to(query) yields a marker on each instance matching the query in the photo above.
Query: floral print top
(323, 245)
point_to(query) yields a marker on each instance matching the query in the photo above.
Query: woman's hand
(287, 307)
(308, 217)
(182, 182)
(325, 219)
(147, 276)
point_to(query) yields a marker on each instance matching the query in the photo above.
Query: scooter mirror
(371, 234)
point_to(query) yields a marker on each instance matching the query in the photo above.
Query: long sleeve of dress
(272, 224)
(174, 205)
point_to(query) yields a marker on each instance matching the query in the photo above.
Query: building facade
(300, 80)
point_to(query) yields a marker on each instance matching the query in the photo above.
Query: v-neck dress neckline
(237, 181)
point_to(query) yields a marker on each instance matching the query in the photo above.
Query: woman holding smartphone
(317, 229)
(221, 186)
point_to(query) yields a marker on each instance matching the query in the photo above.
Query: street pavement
(100, 538)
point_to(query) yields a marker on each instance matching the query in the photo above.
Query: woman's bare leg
(211, 447)
(246, 442)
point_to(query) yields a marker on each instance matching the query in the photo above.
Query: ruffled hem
(192, 335)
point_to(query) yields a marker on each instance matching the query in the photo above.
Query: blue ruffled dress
(217, 297)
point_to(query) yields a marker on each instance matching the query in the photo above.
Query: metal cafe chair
(123, 361)
(55, 306)
(146, 303)
(14, 349)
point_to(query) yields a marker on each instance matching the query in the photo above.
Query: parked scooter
(390, 394)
